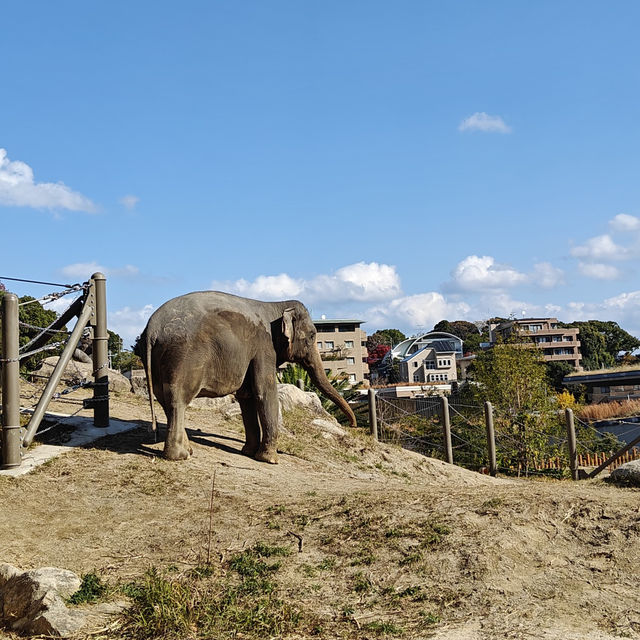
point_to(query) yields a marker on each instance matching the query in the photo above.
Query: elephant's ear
(287, 324)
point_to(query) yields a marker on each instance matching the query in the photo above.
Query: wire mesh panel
(412, 423)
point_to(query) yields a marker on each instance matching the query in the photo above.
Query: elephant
(211, 344)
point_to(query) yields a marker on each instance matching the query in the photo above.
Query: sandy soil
(444, 552)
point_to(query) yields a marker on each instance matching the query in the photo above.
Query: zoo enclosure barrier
(468, 432)
(91, 311)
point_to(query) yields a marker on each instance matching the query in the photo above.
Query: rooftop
(338, 321)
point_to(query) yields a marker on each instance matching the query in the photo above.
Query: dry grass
(344, 538)
(608, 410)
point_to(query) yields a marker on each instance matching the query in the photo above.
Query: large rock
(77, 372)
(32, 602)
(627, 474)
(291, 397)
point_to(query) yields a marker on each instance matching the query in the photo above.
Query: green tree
(390, 337)
(513, 377)
(556, 371)
(602, 341)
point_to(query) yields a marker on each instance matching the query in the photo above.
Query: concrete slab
(84, 433)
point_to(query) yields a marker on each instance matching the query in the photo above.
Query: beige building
(558, 344)
(343, 348)
(435, 362)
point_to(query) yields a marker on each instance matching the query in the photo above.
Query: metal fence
(91, 313)
(478, 437)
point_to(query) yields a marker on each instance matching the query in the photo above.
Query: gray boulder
(32, 602)
(627, 474)
(291, 397)
(76, 372)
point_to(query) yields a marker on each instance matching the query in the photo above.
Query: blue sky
(398, 162)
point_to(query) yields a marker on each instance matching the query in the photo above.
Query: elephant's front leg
(251, 424)
(266, 398)
(176, 446)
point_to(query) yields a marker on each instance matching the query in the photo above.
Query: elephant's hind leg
(251, 425)
(176, 446)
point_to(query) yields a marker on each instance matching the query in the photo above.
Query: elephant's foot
(249, 450)
(177, 452)
(267, 455)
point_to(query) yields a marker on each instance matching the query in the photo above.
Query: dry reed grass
(607, 410)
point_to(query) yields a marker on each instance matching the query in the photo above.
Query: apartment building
(558, 344)
(343, 348)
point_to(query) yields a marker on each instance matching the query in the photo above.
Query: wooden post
(446, 428)
(491, 438)
(571, 441)
(373, 416)
(11, 445)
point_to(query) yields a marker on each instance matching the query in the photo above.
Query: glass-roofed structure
(439, 340)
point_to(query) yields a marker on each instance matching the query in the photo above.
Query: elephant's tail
(150, 379)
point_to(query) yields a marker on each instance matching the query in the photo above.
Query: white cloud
(600, 248)
(481, 121)
(129, 202)
(625, 222)
(598, 270)
(420, 311)
(19, 189)
(84, 270)
(128, 323)
(363, 282)
(280, 287)
(546, 275)
(476, 273)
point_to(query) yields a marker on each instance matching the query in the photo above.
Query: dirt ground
(384, 541)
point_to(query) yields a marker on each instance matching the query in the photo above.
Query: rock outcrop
(627, 474)
(77, 372)
(32, 602)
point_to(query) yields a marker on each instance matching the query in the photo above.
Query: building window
(568, 339)
(351, 360)
(348, 344)
(320, 346)
(415, 364)
(363, 344)
(604, 390)
(327, 371)
(352, 378)
(346, 328)
(326, 328)
(557, 338)
(328, 344)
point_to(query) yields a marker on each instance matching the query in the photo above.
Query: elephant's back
(199, 314)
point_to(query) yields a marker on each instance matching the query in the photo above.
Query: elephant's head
(298, 344)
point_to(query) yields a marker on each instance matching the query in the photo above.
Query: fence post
(100, 352)
(300, 383)
(491, 438)
(571, 440)
(373, 416)
(11, 445)
(446, 428)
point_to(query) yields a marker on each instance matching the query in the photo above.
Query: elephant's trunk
(316, 372)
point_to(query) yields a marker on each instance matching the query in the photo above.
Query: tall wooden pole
(491, 438)
(571, 441)
(373, 414)
(446, 428)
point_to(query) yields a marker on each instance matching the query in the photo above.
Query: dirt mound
(380, 541)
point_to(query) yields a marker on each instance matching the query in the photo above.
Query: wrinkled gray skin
(210, 344)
